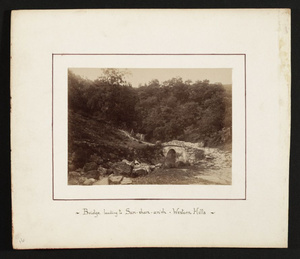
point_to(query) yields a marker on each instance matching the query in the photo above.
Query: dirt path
(187, 175)
(134, 139)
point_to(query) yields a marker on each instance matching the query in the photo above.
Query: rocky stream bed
(213, 168)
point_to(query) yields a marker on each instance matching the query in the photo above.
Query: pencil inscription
(142, 211)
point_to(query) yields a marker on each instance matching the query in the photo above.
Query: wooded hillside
(174, 109)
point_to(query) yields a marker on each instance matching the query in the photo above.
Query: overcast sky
(144, 75)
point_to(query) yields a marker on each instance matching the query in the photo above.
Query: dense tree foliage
(187, 111)
(173, 109)
(109, 97)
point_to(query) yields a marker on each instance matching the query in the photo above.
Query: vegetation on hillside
(174, 109)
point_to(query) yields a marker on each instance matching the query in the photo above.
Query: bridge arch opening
(170, 158)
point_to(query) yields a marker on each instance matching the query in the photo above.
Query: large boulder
(81, 179)
(103, 181)
(92, 174)
(110, 164)
(74, 174)
(126, 181)
(128, 162)
(109, 171)
(121, 168)
(140, 170)
(146, 166)
(159, 165)
(73, 181)
(102, 171)
(90, 166)
(115, 179)
(152, 167)
(89, 181)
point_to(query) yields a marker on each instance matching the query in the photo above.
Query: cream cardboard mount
(251, 211)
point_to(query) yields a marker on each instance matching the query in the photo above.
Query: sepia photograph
(183, 129)
(149, 126)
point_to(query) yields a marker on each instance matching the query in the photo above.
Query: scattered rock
(74, 174)
(92, 174)
(103, 181)
(136, 162)
(81, 179)
(110, 164)
(89, 181)
(152, 167)
(126, 181)
(139, 171)
(90, 166)
(128, 162)
(79, 170)
(115, 179)
(109, 171)
(102, 170)
(121, 168)
(146, 167)
(158, 165)
(73, 181)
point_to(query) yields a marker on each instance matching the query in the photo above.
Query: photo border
(148, 54)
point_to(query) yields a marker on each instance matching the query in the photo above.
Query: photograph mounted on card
(149, 126)
(129, 123)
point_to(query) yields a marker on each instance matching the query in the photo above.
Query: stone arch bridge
(181, 151)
